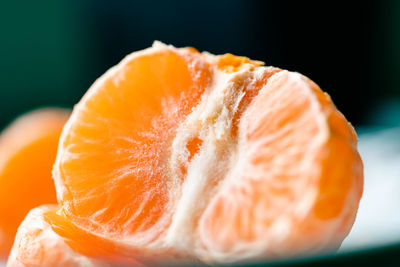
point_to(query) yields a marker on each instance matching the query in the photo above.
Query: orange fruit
(179, 155)
(28, 149)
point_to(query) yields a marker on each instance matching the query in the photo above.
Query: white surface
(378, 218)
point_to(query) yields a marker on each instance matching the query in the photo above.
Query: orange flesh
(175, 154)
(279, 193)
(27, 150)
(133, 154)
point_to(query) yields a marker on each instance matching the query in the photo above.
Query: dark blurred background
(52, 51)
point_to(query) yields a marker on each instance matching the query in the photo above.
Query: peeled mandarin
(175, 155)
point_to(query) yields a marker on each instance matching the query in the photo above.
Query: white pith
(211, 121)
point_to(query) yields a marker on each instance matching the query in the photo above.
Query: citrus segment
(37, 245)
(294, 180)
(111, 174)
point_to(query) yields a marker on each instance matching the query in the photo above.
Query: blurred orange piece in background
(179, 155)
(28, 148)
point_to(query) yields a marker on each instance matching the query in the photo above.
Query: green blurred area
(389, 70)
(46, 53)
(52, 51)
(386, 108)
